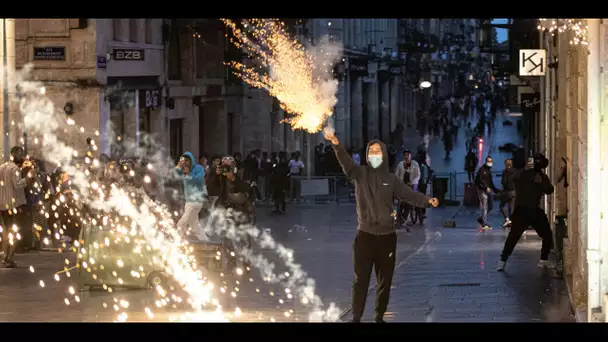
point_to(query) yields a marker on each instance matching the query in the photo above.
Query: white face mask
(375, 160)
(489, 164)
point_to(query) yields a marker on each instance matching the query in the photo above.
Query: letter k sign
(532, 62)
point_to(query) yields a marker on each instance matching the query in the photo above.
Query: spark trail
(135, 221)
(301, 78)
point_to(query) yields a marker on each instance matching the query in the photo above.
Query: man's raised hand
(330, 134)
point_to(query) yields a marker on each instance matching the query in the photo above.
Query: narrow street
(442, 274)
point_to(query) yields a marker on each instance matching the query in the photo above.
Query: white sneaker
(545, 264)
(507, 223)
(501, 266)
(486, 227)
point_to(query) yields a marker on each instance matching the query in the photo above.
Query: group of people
(445, 115)
(522, 190)
(270, 176)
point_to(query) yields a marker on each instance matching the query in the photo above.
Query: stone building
(108, 72)
(573, 130)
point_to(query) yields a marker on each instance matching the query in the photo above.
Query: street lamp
(425, 84)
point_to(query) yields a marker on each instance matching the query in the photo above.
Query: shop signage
(128, 54)
(357, 67)
(49, 53)
(150, 98)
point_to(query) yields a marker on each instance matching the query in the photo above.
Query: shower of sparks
(119, 219)
(301, 79)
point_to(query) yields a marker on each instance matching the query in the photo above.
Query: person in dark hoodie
(376, 241)
(485, 186)
(531, 185)
(280, 182)
(508, 192)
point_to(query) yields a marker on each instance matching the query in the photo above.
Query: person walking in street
(375, 244)
(470, 164)
(280, 181)
(507, 199)
(193, 176)
(12, 198)
(447, 142)
(470, 135)
(265, 172)
(296, 167)
(251, 174)
(485, 186)
(531, 185)
(408, 170)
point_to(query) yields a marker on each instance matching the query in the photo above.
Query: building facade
(573, 129)
(105, 74)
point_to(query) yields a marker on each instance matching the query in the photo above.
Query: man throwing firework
(531, 184)
(375, 245)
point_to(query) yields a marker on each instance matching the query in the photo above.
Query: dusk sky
(502, 34)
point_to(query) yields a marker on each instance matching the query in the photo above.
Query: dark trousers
(279, 198)
(507, 200)
(523, 218)
(373, 252)
(471, 175)
(10, 218)
(404, 211)
(26, 227)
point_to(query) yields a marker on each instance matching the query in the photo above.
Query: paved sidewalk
(454, 279)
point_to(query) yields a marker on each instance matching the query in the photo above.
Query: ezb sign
(128, 55)
(532, 62)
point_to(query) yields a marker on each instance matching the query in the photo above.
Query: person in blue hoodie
(193, 176)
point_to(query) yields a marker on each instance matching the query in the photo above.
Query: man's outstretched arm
(351, 170)
(405, 193)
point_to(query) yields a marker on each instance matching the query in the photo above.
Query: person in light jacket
(408, 170)
(193, 176)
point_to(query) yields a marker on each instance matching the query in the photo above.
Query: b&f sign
(532, 62)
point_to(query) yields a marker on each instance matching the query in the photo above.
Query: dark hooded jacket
(528, 192)
(375, 190)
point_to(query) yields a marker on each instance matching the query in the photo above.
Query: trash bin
(440, 188)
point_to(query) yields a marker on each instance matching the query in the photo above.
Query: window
(176, 132)
(209, 52)
(133, 30)
(116, 28)
(149, 31)
(174, 65)
(117, 120)
(145, 128)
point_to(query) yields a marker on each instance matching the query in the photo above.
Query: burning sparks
(121, 218)
(300, 78)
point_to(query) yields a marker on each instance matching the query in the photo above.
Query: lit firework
(132, 221)
(301, 79)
